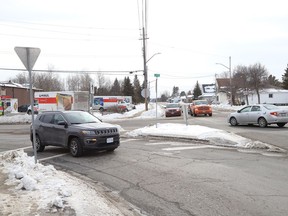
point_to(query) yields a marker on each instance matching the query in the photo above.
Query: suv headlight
(88, 132)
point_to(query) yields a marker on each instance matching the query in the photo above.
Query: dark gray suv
(75, 130)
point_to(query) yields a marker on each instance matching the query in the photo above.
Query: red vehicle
(200, 107)
(173, 109)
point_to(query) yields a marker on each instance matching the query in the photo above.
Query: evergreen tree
(189, 92)
(116, 89)
(137, 98)
(285, 79)
(127, 89)
(175, 91)
(164, 96)
(183, 93)
(197, 90)
(273, 81)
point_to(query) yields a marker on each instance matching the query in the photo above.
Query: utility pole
(230, 76)
(230, 79)
(145, 69)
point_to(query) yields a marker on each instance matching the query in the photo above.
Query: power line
(70, 26)
(78, 71)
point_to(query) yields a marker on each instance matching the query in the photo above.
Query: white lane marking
(55, 156)
(127, 140)
(194, 147)
(171, 143)
(15, 150)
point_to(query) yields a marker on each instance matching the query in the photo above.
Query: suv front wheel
(75, 147)
(39, 146)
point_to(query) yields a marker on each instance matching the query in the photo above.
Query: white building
(270, 96)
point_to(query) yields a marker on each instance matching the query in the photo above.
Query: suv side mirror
(63, 123)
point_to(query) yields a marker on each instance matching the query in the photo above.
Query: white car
(261, 114)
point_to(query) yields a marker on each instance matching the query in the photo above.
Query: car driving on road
(172, 109)
(261, 114)
(200, 107)
(75, 130)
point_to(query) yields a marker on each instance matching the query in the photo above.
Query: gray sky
(192, 36)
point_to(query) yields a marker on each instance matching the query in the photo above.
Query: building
(15, 90)
(270, 96)
(247, 96)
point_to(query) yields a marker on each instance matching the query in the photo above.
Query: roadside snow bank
(215, 136)
(42, 189)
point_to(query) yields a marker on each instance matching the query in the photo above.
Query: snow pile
(39, 188)
(214, 136)
(15, 119)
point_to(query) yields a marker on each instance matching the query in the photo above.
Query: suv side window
(57, 118)
(47, 118)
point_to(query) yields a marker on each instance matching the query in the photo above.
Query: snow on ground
(35, 187)
(43, 189)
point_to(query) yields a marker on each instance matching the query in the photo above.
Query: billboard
(208, 88)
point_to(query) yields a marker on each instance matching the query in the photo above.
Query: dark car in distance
(77, 131)
(23, 108)
(173, 109)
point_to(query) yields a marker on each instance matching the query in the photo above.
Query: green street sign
(156, 75)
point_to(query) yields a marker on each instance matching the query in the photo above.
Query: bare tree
(21, 78)
(257, 77)
(240, 82)
(85, 82)
(104, 85)
(73, 82)
(48, 81)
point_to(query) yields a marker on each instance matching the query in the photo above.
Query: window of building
(270, 95)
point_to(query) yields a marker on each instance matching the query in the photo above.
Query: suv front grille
(106, 131)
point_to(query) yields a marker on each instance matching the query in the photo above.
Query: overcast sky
(192, 36)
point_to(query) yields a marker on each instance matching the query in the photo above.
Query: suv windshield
(81, 118)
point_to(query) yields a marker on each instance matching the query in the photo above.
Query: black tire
(39, 146)
(191, 113)
(75, 147)
(210, 114)
(29, 112)
(194, 114)
(233, 121)
(101, 109)
(281, 124)
(262, 122)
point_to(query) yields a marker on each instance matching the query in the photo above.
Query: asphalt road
(173, 177)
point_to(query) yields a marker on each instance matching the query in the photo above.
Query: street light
(229, 68)
(146, 78)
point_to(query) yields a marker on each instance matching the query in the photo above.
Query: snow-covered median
(214, 136)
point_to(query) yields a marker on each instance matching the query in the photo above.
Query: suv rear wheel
(75, 147)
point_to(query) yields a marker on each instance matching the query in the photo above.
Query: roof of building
(223, 82)
(15, 85)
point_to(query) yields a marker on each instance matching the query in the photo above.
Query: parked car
(173, 109)
(75, 130)
(261, 114)
(36, 108)
(200, 107)
(23, 108)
